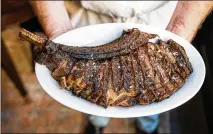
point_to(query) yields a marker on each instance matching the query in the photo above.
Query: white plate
(103, 33)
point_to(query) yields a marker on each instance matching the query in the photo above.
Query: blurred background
(26, 108)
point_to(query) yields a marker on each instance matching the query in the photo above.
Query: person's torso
(156, 13)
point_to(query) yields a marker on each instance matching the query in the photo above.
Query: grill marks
(160, 89)
(117, 78)
(147, 75)
(127, 70)
(152, 72)
(173, 57)
(163, 70)
(148, 72)
(97, 83)
(170, 80)
(88, 78)
(181, 53)
(104, 84)
(175, 72)
(75, 79)
(145, 95)
(138, 75)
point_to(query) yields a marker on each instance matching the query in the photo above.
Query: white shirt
(157, 13)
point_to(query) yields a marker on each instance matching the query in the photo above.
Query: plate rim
(175, 105)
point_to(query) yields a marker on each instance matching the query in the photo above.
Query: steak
(128, 71)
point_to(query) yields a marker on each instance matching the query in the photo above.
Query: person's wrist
(53, 17)
(183, 31)
(188, 18)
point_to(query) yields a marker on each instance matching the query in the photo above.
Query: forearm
(53, 17)
(188, 16)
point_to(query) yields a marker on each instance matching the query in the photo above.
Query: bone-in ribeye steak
(127, 71)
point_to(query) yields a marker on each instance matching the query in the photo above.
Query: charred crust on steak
(117, 78)
(125, 72)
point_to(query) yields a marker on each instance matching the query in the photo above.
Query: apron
(156, 13)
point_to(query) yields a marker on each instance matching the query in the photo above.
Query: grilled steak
(127, 71)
